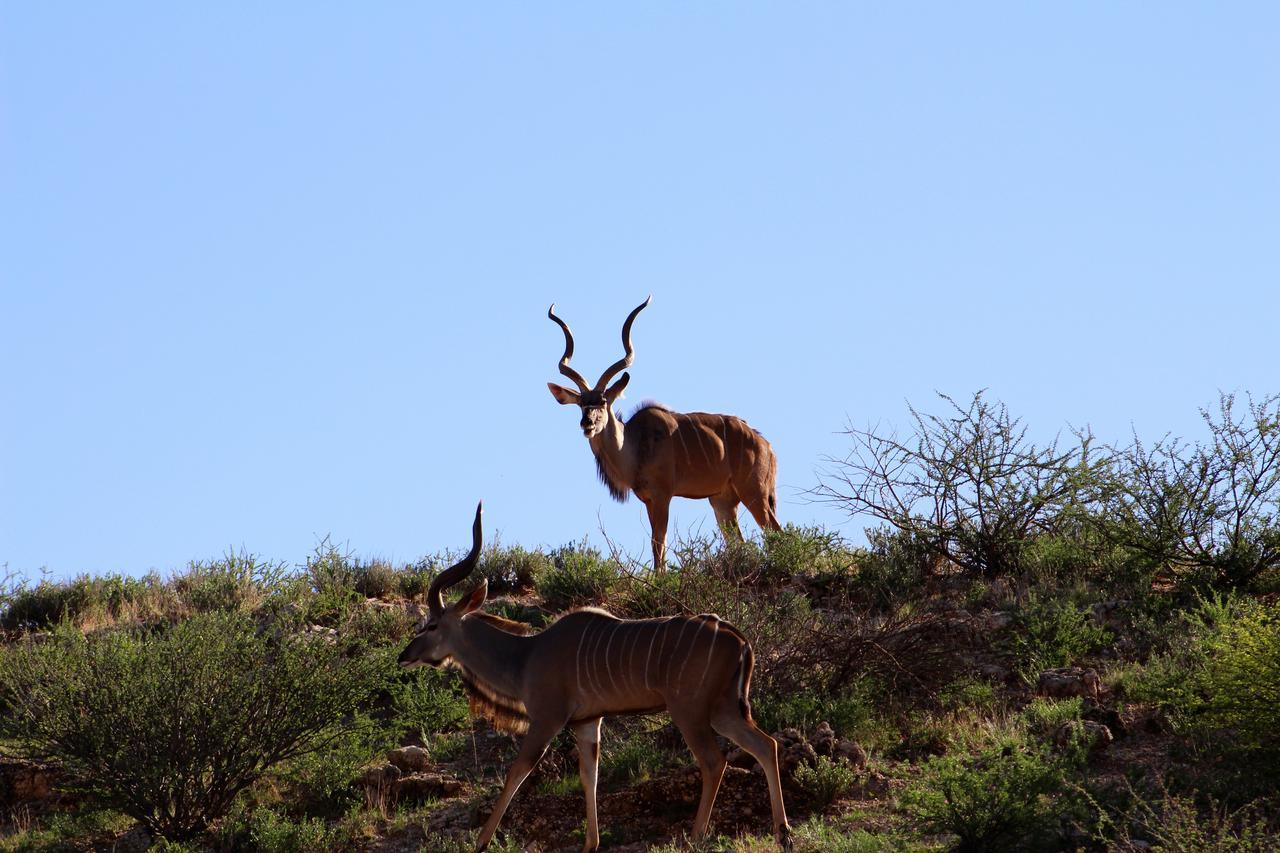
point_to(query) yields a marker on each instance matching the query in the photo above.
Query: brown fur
(587, 665)
(658, 454)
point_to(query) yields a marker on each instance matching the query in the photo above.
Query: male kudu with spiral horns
(586, 665)
(659, 454)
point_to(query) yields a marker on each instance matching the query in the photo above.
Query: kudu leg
(726, 510)
(749, 736)
(588, 736)
(711, 761)
(762, 509)
(658, 510)
(532, 749)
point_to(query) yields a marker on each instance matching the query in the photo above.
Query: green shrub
(108, 597)
(1120, 818)
(333, 576)
(413, 581)
(809, 551)
(967, 484)
(995, 800)
(896, 566)
(735, 560)
(632, 759)
(851, 714)
(429, 702)
(578, 575)
(650, 594)
(1206, 512)
(323, 778)
(1221, 687)
(375, 579)
(512, 569)
(377, 625)
(1053, 632)
(817, 835)
(826, 781)
(1043, 716)
(238, 581)
(1236, 686)
(968, 694)
(169, 725)
(59, 830)
(270, 832)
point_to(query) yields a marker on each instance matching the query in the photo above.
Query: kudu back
(587, 665)
(659, 454)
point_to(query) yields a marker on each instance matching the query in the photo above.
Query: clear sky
(275, 271)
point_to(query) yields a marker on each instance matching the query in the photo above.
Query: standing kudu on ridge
(660, 454)
(589, 664)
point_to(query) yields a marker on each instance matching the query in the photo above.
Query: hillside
(1070, 650)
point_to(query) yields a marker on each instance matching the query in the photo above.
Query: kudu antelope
(659, 454)
(589, 664)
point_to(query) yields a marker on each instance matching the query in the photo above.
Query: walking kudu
(589, 664)
(660, 454)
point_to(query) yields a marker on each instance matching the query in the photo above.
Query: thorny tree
(967, 486)
(1210, 510)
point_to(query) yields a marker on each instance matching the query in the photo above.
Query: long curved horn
(624, 362)
(458, 571)
(568, 352)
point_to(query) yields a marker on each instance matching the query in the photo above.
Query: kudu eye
(432, 627)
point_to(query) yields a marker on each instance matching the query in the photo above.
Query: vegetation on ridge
(245, 704)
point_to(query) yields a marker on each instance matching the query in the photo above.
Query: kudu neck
(495, 655)
(610, 439)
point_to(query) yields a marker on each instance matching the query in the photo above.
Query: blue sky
(272, 274)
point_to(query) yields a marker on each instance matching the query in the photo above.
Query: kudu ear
(473, 600)
(563, 395)
(615, 390)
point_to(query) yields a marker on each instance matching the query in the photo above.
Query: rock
(135, 840)
(994, 672)
(1110, 614)
(873, 785)
(824, 739)
(1108, 717)
(996, 620)
(1070, 681)
(793, 750)
(851, 752)
(740, 758)
(21, 781)
(422, 786)
(382, 775)
(326, 634)
(1096, 735)
(409, 758)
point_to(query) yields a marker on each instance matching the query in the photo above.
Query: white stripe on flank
(697, 433)
(663, 662)
(629, 653)
(680, 435)
(593, 676)
(607, 667)
(711, 647)
(675, 682)
(657, 629)
(577, 670)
